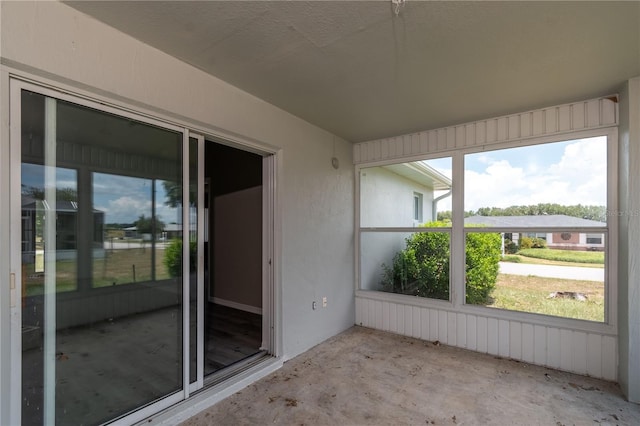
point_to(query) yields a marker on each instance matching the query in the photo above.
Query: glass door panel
(102, 316)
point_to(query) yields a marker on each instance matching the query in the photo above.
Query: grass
(582, 257)
(117, 267)
(531, 294)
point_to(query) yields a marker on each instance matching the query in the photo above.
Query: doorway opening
(233, 257)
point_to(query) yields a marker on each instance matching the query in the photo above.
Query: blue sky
(122, 198)
(567, 173)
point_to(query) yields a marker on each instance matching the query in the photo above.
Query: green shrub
(482, 257)
(538, 243)
(422, 268)
(510, 247)
(525, 243)
(512, 259)
(173, 257)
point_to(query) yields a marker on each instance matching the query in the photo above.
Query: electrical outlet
(324, 302)
(314, 305)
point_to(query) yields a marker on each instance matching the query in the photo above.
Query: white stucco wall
(49, 40)
(386, 199)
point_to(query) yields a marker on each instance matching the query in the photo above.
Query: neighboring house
(67, 218)
(399, 195)
(565, 240)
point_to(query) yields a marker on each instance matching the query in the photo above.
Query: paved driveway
(553, 271)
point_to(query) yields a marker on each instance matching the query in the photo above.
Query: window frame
(457, 260)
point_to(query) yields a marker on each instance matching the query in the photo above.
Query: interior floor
(105, 366)
(231, 336)
(364, 376)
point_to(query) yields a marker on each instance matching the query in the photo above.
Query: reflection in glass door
(101, 276)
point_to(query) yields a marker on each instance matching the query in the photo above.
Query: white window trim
(457, 289)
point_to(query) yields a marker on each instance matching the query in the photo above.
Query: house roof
(360, 71)
(423, 174)
(537, 221)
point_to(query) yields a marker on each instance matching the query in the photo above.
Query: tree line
(598, 213)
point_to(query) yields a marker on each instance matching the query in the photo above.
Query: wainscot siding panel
(379, 316)
(609, 358)
(553, 347)
(408, 321)
(503, 338)
(579, 352)
(566, 349)
(555, 120)
(472, 332)
(482, 334)
(417, 323)
(443, 327)
(594, 355)
(385, 316)
(452, 333)
(433, 325)
(393, 317)
(515, 340)
(424, 324)
(527, 342)
(569, 350)
(492, 336)
(461, 328)
(400, 319)
(539, 344)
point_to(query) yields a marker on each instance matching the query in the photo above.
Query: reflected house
(566, 240)
(66, 232)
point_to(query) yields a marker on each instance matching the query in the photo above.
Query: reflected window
(97, 213)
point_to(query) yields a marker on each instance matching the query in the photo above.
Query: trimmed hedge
(173, 257)
(422, 268)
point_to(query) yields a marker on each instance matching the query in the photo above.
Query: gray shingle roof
(539, 221)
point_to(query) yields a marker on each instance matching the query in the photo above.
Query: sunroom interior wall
(586, 352)
(557, 120)
(53, 42)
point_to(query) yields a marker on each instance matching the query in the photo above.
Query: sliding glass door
(109, 226)
(101, 277)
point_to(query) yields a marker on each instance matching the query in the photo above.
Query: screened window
(405, 228)
(538, 210)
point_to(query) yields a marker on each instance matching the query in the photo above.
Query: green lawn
(531, 294)
(582, 257)
(117, 267)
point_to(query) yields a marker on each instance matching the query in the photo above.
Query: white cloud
(578, 176)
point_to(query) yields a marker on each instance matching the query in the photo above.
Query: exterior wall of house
(49, 41)
(629, 252)
(387, 200)
(590, 349)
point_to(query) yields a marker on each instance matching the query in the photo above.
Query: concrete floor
(363, 377)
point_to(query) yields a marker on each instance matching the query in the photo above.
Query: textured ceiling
(361, 72)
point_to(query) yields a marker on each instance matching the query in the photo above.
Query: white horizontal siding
(579, 352)
(555, 120)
